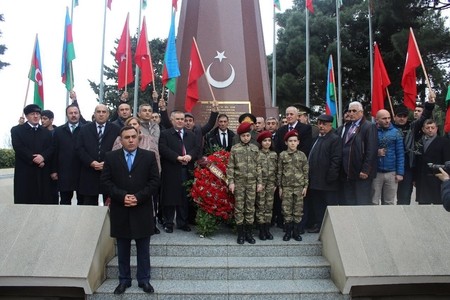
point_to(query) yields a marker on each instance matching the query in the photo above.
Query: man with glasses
(359, 156)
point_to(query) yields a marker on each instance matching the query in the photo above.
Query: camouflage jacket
(293, 169)
(269, 166)
(243, 164)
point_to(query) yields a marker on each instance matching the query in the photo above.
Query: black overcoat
(304, 133)
(170, 148)
(87, 149)
(142, 181)
(66, 161)
(32, 184)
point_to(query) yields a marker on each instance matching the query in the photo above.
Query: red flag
(195, 72)
(143, 58)
(108, 4)
(447, 116)
(380, 82)
(123, 57)
(309, 6)
(409, 74)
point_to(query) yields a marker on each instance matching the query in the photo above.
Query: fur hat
(30, 108)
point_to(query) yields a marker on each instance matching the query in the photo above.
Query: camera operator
(445, 188)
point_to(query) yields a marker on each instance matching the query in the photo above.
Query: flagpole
(31, 63)
(126, 52)
(101, 96)
(307, 57)
(420, 57)
(390, 102)
(370, 48)
(204, 70)
(274, 64)
(136, 76)
(338, 47)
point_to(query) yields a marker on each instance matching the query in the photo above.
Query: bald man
(390, 162)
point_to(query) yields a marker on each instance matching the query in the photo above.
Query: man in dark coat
(304, 132)
(324, 162)
(359, 156)
(435, 150)
(221, 136)
(130, 176)
(445, 187)
(66, 163)
(94, 140)
(178, 149)
(33, 149)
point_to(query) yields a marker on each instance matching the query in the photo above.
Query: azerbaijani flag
(277, 4)
(68, 54)
(171, 69)
(35, 75)
(447, 116)
(330, 108)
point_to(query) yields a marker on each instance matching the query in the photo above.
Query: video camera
(435, 167)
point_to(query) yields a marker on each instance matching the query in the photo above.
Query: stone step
(310, 289)
(223, 244)
(231, 268)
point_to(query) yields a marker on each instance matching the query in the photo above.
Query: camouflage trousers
(292, 204)
(244, 207)
(264, 204)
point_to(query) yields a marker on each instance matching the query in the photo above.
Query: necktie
(100, 132)
(129, 160)
(350, 132)
(224, 140)
(183, 149)
(72, 128)
(290, 128)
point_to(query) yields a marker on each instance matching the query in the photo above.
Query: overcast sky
(25, 18)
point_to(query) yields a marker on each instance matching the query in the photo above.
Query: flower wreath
(210, 192)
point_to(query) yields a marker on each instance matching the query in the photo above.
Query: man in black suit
(434, 149)
(66, 163)
(94, 140)
(130, 176)
(33, 150)
(220, 136)
(304, 132)
(178, 149)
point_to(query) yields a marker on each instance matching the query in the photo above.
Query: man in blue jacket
(390, 160)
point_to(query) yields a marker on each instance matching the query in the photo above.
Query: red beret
(263, 135)
(290, 133)
(244, 127)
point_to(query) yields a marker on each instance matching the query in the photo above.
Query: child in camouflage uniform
(264, 199)
(293, 183)
(244, 179)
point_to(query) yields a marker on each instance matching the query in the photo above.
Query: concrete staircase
(186, 266)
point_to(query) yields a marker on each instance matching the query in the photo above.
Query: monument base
(388, 250)
(52, 246)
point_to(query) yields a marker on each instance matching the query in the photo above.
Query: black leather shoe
(314, 229)
(120, 289)
(168, 229)
(146, 287)
(157, 231)
(185, 228)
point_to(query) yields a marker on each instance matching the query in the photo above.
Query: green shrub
(6, 158)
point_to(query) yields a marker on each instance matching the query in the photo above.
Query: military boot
(240, 231)
(249, 234)
(288, 230)
(269, 236)
(262, 231)
(296, 232)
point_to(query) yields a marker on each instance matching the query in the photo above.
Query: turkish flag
(409, 74)
(143, 58)
(123, 57)
(195, 72)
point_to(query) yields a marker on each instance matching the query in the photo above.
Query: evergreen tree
(3, 48)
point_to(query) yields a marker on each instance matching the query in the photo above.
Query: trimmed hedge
(6, 158)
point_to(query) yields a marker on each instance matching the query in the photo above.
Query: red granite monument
(230, 41)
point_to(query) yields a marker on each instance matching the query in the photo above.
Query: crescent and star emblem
(220, 84)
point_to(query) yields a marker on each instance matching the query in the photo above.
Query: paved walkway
(6, 186)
